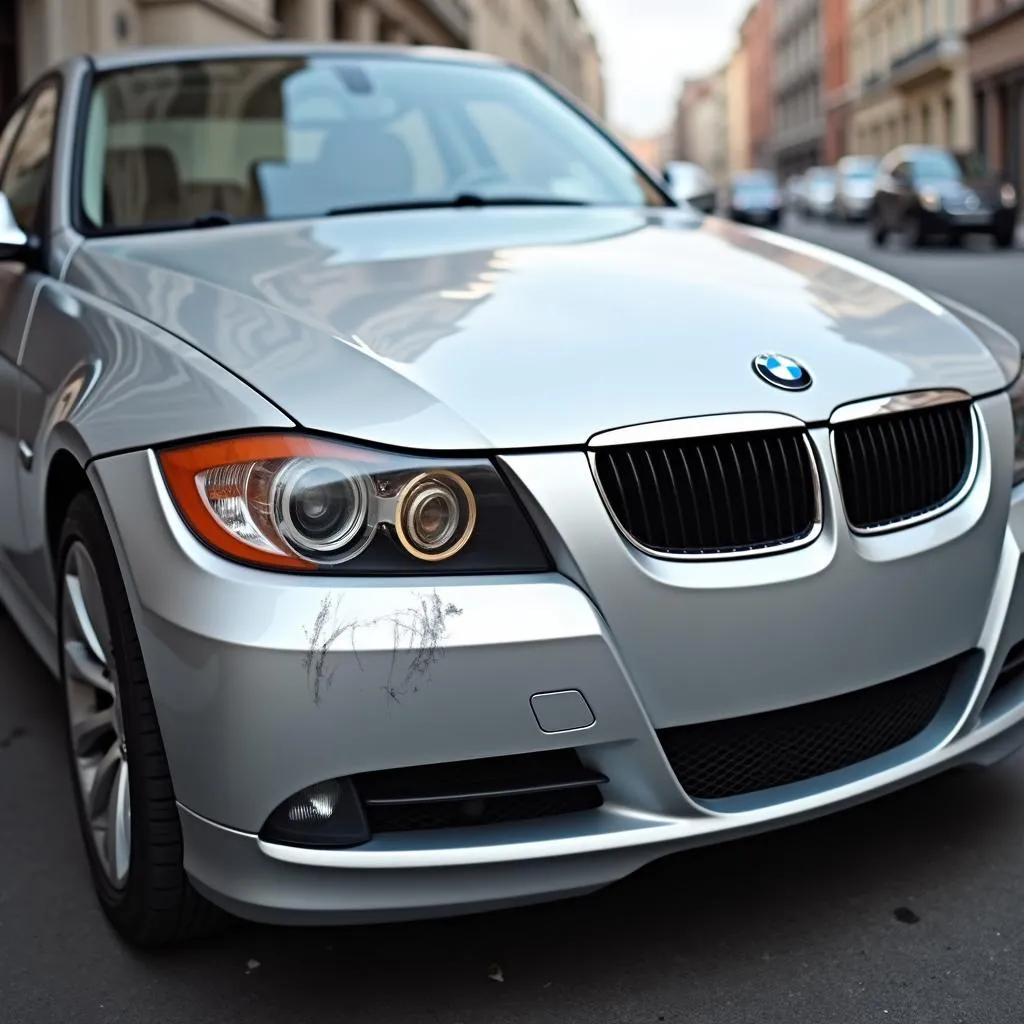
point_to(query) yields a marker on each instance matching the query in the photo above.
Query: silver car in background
(690, 183)
(855, 187)
(424, 515)
(819, 193)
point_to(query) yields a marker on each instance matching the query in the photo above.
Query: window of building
(926, 124)
(926, 19)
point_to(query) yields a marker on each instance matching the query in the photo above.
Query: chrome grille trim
(907, 401)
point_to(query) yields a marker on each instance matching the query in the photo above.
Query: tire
(1004, 239)
(879, 234)
(137, 870)
(913, 231)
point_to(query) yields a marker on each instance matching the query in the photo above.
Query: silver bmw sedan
(423, 514)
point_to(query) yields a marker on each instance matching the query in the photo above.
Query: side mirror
(14, 243)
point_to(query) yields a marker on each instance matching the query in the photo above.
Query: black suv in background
(928, 191)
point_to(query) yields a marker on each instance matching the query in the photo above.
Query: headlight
(1008, 194)
(931, 200)
(300, 503)
(1017, 405)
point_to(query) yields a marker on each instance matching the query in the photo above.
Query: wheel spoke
(82, 664)
(91, 728)
(99, 794)
(94, 713)
(86, 604)
(117, 837)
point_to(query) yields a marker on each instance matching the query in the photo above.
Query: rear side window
(27, 169)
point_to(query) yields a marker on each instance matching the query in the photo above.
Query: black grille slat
(744, 492)
(896, 467)
(722, 759)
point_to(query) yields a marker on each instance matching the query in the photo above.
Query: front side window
(27, 169)
(269, 138)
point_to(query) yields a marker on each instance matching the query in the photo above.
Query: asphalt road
(907, 910)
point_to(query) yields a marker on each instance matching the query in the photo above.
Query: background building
(756, 38)
(996, 63)
(911, 60)
(836, 77)
(737, 99)
(701, 133)
(547, 35)
(799, 114)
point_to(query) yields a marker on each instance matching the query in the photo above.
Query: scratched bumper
(265, 684)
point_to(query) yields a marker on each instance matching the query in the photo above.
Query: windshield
(860, 170)
(171, 144)
(755, 181)
(821, 176)
(937, 165)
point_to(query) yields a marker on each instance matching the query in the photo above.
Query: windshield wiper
(467, 199)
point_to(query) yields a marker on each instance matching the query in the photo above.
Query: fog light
(325, 815)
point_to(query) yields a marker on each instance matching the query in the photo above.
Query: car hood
(514, 328)
(986, 189)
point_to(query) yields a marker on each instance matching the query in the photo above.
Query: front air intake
(713, 496)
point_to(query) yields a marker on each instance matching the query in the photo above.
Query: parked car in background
(690, 183)
(855, 187)
(754, 197)
(795, 193)
(925, 192)
(820, 192)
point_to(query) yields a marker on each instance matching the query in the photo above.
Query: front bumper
(266, 684)
(995, 222)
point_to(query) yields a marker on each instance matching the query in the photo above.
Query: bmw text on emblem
(782, 371)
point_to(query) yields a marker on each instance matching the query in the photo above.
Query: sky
(650, 46)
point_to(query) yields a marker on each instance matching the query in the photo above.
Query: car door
(26, 145)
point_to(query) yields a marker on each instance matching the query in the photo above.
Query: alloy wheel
(95, 714)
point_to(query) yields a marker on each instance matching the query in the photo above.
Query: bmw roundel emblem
(782, 371)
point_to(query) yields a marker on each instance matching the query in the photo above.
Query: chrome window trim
(940, 510)
(695, 426)
(720, 556)
(906, 401)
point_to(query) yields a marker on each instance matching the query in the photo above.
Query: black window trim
(82, 224)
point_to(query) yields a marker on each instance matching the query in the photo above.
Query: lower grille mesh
(716, 760)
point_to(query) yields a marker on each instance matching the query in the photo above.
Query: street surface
(907, 910)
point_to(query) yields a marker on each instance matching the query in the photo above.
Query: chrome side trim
(889, 404)
(719, 556)
(694, 426)
(940, 510)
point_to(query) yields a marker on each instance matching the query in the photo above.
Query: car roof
(152, 55)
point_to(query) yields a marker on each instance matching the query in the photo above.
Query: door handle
(26, 454)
